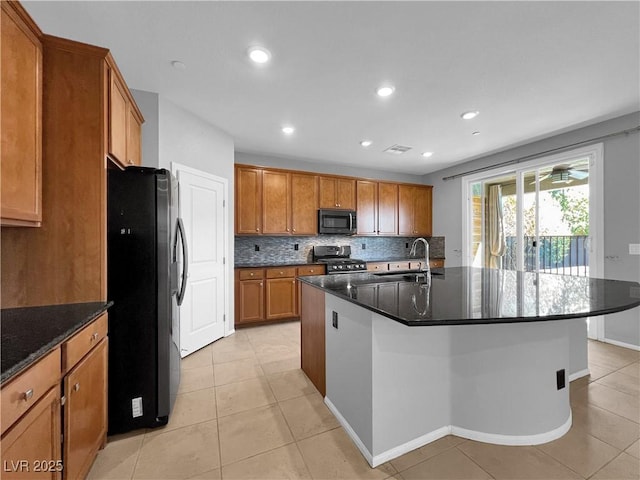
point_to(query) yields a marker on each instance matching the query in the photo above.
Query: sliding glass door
(541, 216)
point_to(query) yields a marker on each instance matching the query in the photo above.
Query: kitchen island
(492, 365)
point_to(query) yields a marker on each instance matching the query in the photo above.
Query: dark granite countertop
(469, 296)
(298, 262)
(28, 333)
(273, 264)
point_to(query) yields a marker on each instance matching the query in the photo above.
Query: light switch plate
(634, 249)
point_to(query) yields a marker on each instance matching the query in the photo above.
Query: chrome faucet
(426, 268)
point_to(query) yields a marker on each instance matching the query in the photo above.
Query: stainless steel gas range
(338, 259)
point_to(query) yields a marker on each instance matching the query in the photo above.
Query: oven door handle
(350, 222)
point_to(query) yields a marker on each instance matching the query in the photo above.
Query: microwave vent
(397, 149)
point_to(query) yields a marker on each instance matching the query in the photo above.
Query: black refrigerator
(146, 280)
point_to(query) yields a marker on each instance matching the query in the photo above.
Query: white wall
(621, 207)
(173, 134)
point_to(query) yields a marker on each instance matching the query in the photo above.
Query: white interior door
(202, 209)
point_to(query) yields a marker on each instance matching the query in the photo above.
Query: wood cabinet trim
(26, 23)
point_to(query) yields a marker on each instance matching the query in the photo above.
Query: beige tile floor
(245, 410)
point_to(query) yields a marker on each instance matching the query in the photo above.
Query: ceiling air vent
(397, 149)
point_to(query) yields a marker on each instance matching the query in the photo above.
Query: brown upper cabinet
(20, 117)
(377, 207)
(248, 188)
(125, 121)
(338, 192)
(414, 210)
(304, 204)
(275, 202)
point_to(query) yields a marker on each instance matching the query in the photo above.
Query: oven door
(337, 221)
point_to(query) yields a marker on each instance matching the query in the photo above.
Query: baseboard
(230, 332)
(630, 346)
(516, 440)
(497, 439)
(351, 432)
(411, 445)
(580, 374)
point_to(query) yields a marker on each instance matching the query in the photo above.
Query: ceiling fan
(564, 174)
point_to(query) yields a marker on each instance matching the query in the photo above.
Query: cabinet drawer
(83, 341)
(23, 392)
(281, 272)
(377, 267)
(311, 270)
(251, 273)
(399, 266)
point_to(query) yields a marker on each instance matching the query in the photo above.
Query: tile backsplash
(283, 249)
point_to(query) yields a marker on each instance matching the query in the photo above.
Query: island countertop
(469, 296)
(29, 333)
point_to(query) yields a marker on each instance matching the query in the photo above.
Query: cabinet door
(346, 193)
(276, 202)
(367, 200)
(304, 204)
(387, 208)
(34, 438)
(21, 119)
(328, 197)
(134, 139)
(422, 211)
(405, 210)
(248, 200)
(85, 412)
(281, 298)
(250, 301)
(118, 112)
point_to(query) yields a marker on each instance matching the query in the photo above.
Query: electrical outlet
(364, 246)
(634, 249)
(334, 319)
(256, 248)
(406, 245)
(295, 246)
(560, 379)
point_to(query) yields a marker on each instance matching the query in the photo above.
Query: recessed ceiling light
(470, 115)
(259, 54)
(475, 133)
(385, 90)
(366, 143)
(288, 130)
(427, 154)
(178, 65)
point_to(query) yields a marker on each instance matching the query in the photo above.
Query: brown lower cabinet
(35, 444)
(312, 339)
(269, 294)
(85, 408)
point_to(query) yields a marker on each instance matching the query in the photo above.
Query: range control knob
(339, 267)
(348, 267)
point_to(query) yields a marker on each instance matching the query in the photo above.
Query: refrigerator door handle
(185, 261)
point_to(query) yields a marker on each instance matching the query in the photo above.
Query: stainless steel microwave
(337, 221)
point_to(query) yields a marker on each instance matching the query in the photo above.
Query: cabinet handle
(293, 281)
(94, 336)
(338, 205)
(76, 387)
(294, 229)
(251, 274)
(287, 229)
(281, 273)
(260, 283)
(311, 270)
(27, 395)
(257, 229)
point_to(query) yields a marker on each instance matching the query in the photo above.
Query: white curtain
(497, 246)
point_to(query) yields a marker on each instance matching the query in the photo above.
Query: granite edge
(19, 367)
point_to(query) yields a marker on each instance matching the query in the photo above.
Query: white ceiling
(530, 68)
